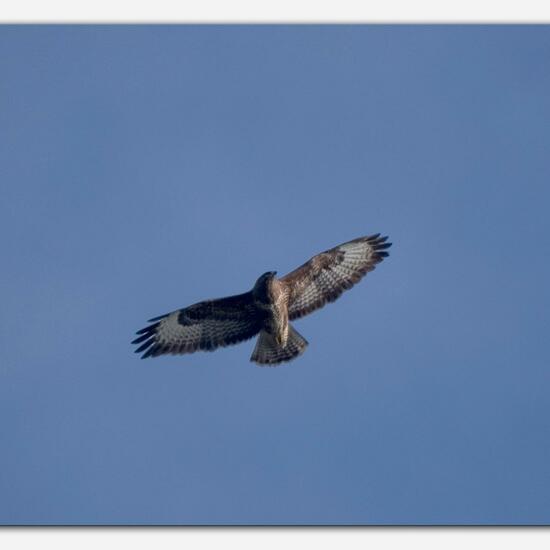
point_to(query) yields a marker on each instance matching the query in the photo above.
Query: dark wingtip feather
(379, 245)
(147, 339)
(153, 351)
(141, 338)
(149, 328)
(148, 353)
(380, 242)
(145, 345)
(158, 318)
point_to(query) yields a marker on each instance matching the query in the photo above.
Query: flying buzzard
(266, 309)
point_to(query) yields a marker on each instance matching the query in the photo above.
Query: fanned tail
(269, 352)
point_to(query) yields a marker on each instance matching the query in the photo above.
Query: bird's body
(272, 297)
(266, 309)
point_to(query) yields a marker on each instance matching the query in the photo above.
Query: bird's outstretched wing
(323, 278)
(203, 326)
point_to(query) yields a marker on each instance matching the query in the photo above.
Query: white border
(275, 539)
(273, 11)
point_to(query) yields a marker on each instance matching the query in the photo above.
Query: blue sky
(146, 168)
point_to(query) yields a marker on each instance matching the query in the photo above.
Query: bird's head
(261, 287)
(268, 275)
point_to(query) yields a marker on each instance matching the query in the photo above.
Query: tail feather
(269, 352)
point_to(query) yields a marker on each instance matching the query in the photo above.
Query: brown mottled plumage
(266, 309)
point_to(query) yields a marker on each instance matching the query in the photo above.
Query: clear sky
(143, 169)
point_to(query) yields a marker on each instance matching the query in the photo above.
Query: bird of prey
(266, 309)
